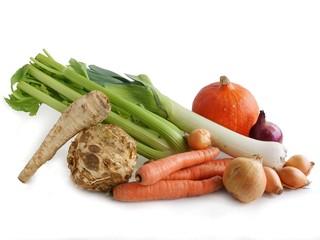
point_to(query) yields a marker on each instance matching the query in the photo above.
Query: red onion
(265, 131)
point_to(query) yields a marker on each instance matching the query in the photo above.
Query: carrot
(156, 170)
(165, 189)
(198, 172)
(201, 171)
(83, 113)
(220, 162)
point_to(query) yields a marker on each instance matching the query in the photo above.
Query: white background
(270, 47)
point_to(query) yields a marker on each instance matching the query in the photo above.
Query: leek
(156, 122)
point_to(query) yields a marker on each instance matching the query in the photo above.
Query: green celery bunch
(136, 103)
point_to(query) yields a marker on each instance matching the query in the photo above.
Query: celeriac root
(87, 111)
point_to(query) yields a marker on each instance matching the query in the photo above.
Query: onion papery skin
(245, 179)
(266, 131)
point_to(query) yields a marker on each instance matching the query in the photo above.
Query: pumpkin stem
(224, 80)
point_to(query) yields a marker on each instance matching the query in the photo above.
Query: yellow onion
(301, 162)
(274, 185)
(199, 138)
(245, 178)
(292, 177)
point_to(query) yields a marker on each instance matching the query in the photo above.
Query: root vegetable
(221, 161)
(85, 112)
(201, 171)
(156, 170)
(165, 189)
(101, 157)
(198, 172)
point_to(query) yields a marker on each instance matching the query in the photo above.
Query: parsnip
(85, 112)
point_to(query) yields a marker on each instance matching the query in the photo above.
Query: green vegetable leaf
(140, 91)
(18, 75)
(23, 103)
(78, 67)
(107, 75)
(141, 78)
(158, 97)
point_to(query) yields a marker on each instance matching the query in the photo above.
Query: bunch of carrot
(186, 174)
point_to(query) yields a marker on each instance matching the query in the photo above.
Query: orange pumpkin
(227, 104)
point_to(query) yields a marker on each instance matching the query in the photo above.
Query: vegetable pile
(156, 122)
(114, 119)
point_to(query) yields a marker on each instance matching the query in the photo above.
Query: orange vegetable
(227, 104)
(201, 171)
(221, 161)
(165, 189)
(198, 172)
(156, 170)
